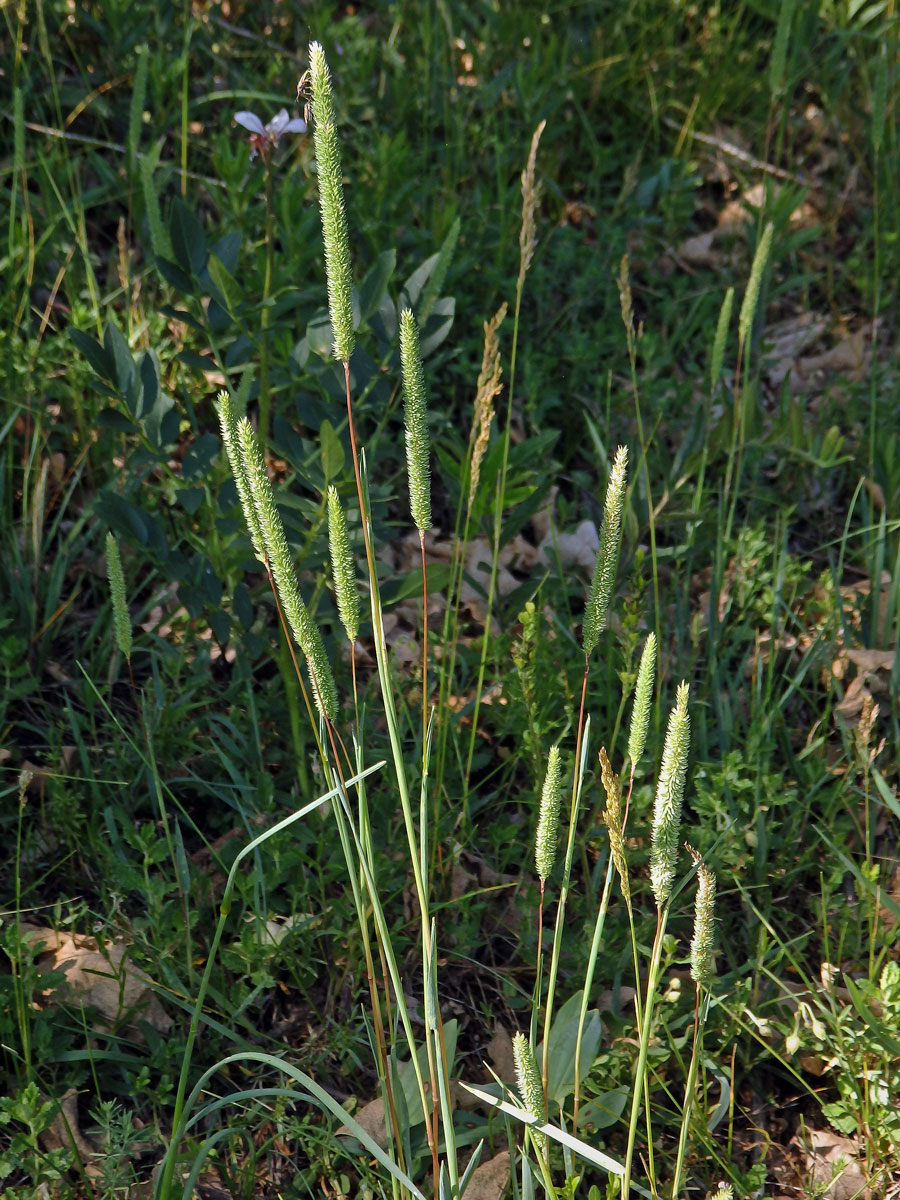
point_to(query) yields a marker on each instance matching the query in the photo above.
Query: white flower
(264, 138)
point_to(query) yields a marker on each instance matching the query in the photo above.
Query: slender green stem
(499, 505)
(581, 741)
(700, 1010)
(390, 713)
(265, 315)
(646, 1027)
(164, 1187)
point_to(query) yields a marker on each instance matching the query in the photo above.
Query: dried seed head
(416, 419)
(607, 554)
(612, 817)
(488, 387)
(531, 196)
(331, 204)
(669, 798)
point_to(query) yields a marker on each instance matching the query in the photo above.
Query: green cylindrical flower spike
(703, 941)
(669, 798)
(121, 618)
(331, 203)
(718, 347)
(342, 567)
(228, 424)
(548, 820)
(643, 698)
(751, 296)
(607, 554)
(416, 419)
(725, 1192)
(531, 1089)
(305, 630)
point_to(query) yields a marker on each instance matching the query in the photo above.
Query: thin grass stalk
(385, 946)
(483, 415)
(746, 318)
(527, 243)
(357, 882)
(593, 954)
(701, 1011)
(265, 311)
(22, 1003)
(164, 1186)
(396, 747)
(624, 286)
(581, 746)
(641, 1071)
(122, 630)
(338, 273)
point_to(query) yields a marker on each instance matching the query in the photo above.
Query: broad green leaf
(373, 288)
(603, 1111)
(438, 325)
(97, 355)
(320, 335)
(149, 372)
(125, 374)
(333, 456)
(188, 242)
(225, 282)
(563, 1034)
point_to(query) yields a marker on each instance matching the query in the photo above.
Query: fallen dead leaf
(698, 251)
(490, 1179)
(500, 1052)
(65, 1132)
(832, 1165)
(371, 1118)
(104, 980)
(578, 549)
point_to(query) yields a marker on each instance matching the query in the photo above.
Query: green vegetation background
(774, 590)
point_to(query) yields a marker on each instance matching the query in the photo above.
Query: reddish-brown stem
(540, 939)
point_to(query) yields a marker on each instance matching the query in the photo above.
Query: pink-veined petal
(250, 121)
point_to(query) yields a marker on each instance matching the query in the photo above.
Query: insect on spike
(304, 93)
(250, 121)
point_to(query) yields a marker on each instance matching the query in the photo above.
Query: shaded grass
(430, 137)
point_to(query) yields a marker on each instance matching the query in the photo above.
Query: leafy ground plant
(758, 547)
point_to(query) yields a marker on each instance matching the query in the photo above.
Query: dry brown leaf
(371, 1118)
(578, 549)
(887, 915)
(490, 1179)
(500, 1052)
(831, 1162)
(872, 679)
(698, 251)
(65, 1132)
(104, 980)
